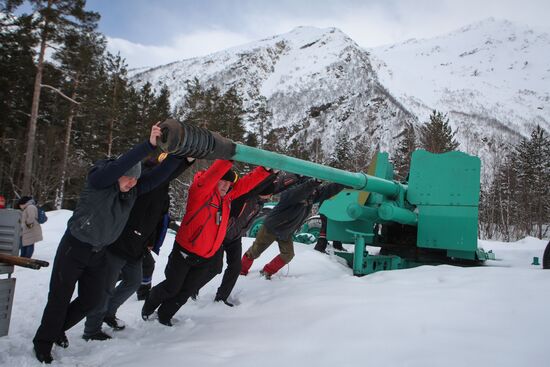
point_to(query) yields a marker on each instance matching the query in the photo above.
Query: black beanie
(230, 176)
(268, 190)
(24, 200)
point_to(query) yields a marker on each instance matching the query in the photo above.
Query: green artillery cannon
(431, 219)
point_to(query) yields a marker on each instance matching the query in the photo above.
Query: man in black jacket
(112, 187)
(124, 256)
(280, 224)
(243, 212)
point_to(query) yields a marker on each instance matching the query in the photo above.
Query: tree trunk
(31, 135)
(113, 117)
(60, 192)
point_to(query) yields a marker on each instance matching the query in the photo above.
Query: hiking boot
(145, 312)
(63, 342)
(113, 322)
(166, 322)
(43, 353)
(265, 274)
(99, 336)
(337, 245)
(321, 245)
(219, 299)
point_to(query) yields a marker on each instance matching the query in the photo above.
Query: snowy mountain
(317, 80)
(490, 77)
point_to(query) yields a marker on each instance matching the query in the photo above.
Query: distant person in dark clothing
(199, 237)
(112, 187)
(280, 224)
(244, 210)
(124, 256)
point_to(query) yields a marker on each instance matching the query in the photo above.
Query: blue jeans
(114, 296)
(27, 251)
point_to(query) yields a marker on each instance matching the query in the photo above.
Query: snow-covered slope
(491, 77)
(318, 80)
(316, 313)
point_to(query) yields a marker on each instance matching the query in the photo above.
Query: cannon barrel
(186, 140)
(356, 180)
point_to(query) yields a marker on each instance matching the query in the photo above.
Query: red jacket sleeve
(205, 182)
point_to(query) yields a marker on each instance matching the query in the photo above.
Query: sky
(152, 33)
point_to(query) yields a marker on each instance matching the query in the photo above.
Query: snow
(492, 67)
(316, 313)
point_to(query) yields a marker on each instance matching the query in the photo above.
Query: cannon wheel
(312, 226)
(255, 227)
(546, 257)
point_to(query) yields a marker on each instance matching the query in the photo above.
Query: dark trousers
(27, 251)
(75, 262)
(113, 296)
(184, 273)
(148, 266)
(233, 253)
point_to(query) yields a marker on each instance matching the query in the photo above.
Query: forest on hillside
(65, 102)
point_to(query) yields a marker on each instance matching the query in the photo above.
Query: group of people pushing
(118, 216)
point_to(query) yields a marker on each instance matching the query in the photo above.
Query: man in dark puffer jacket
(293, 209)
(124, 256)
(104, 206)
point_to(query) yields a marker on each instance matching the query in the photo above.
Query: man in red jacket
(199, 237)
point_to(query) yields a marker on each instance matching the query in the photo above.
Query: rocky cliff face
(317, 81)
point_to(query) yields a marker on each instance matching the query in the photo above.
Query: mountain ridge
(489, 77)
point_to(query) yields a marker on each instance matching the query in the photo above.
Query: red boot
(246, 263)
(273, 266)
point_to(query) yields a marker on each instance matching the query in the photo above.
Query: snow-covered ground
(316, 313)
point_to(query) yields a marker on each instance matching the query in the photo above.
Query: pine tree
(228, 115)
(362, 154)
(16, 73)
(437, 136)
(533, 160)
(80, 56)
(161, 109)
(260, 117)
(197, 105)
(251, 140)
(403, 153)
(342, 156)
(213, 110)
(55, 18)
(116, 83)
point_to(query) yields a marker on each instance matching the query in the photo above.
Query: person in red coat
(199, 237)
